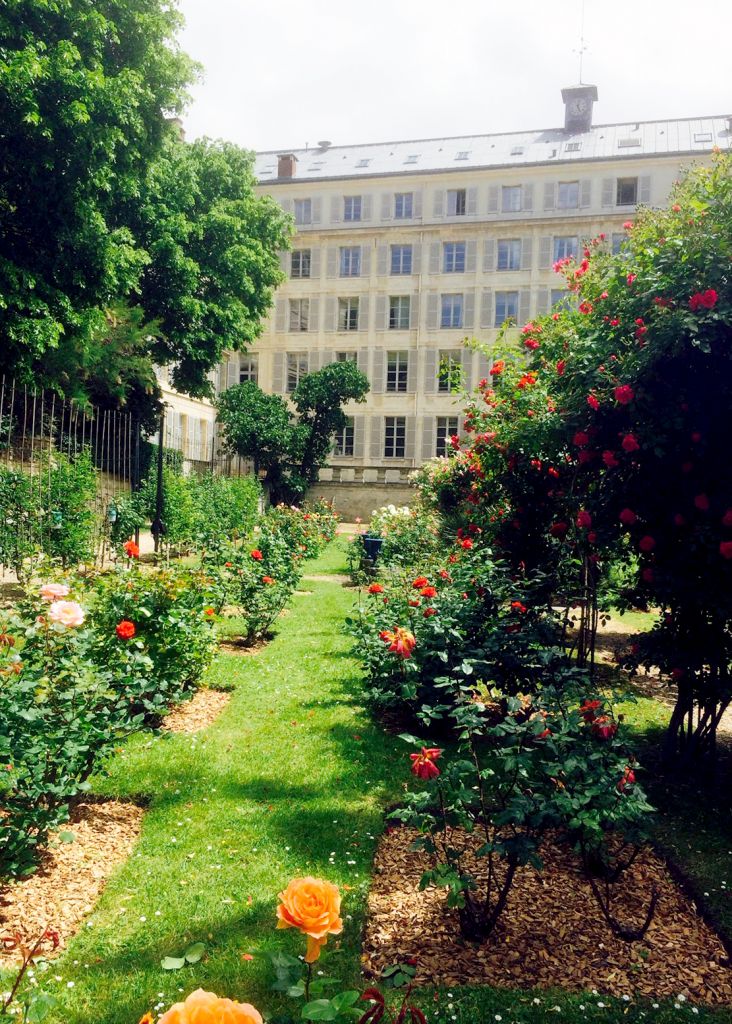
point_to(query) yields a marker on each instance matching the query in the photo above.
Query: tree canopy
(290, 449)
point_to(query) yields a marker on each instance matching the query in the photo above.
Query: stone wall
(360, 499)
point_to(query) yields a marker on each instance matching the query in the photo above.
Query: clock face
(578, 106)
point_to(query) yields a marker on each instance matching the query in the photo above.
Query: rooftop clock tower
(578, 100)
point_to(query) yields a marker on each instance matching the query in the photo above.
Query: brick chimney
(286, 165)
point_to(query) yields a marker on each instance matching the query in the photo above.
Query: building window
(303, 211)
(447, 427)
(343, 441)
(350, 261)
(453, 258)
(299, 314)
(395, 437)
(297, 367)
(568, 195)
(345, 357)
(561, 298)
(511, 199)
(617, 242)
(300, 266)
(397, 368)
(456, 202)
(449, 372)
(401, 259)
(509, 254)
(506, 306)
(627, 192)
(399, 308)
(565, 247)
(247, 369)
(451, 314)
(352, 208)
(348, 314)
(403, 205)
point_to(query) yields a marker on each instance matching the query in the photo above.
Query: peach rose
(206, 1008)
(314, 907)
(68, 613)
(54, 591)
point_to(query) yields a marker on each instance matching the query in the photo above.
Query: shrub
(411, 535)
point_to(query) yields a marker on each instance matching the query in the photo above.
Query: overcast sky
(282, 73)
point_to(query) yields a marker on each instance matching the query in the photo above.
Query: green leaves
(341, 1007)
(192, 955)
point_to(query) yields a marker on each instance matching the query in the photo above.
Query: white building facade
(405, 249)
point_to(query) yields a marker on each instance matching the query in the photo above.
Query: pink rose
(67, 613)
(54, 591)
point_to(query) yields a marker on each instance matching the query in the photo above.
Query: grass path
(291, 779)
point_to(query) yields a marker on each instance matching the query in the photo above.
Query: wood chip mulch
(551, 933)
(197, 713)
(71, 875)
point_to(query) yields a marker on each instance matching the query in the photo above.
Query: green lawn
(291, 779)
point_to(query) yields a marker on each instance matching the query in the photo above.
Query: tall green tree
(290, 449)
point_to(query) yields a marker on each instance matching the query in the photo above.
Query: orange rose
(206, 1008)
(313, 906)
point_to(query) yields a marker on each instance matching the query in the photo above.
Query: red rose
(588, 709)
(256, 555)
(703, 300)
(647, 544)
(628, 778)
(559, 530)
(630, 443)
(531, 343)
(498, 367)
(609, 459)
(466, 544)
(421, 581)
(628, 517)
(561, 366)
(268, 580)
(581, 439)
(727, 518)
(428, 591)
(624, 394)
(414, 602)
(131, 549)
(518, 606)
(593, 402)
(592, 536)
(376, 588)
(584, 519)
(679, 520)
(429, 611)
(725, 549)
(125, 629)
(604, 727)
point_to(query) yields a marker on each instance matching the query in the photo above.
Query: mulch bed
(71, 875)
(197, 713)
(551, 933)
(237, 645)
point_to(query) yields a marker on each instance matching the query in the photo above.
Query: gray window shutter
(332, 270)
(336, 204)
(413, 312)
(545, 252)
(311, 361)
(527, 197)
(608, 191)
(416, 258)
(316, 208)
(524, 310)
(286, 205)
(382, 260)
(644, 189)
(486, 308)
(586, 192)
(364, 302)
(470, 256)
(362, 360)
(483, 366)
(527, 251)
(281, 316)
(382, 313)
(430, 370)
(366, 207)
(411, 372)
(366, 260)
(435, 248)
(468, 310)
(549, 191)
(285, 263)
(438, 209)
(315, 264)
(279, 362)
(232, 372)
(358, 431)
(409, 439)
(387, 201)
(417, 205)
(327, 356)
(471, 204)
(377, 372)
(433, 311)
(489, 255)
(313, 319)
(331, 313)
(377, 437)
(466, 362)
(542, 301)
(429, 440)
(494, 193)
